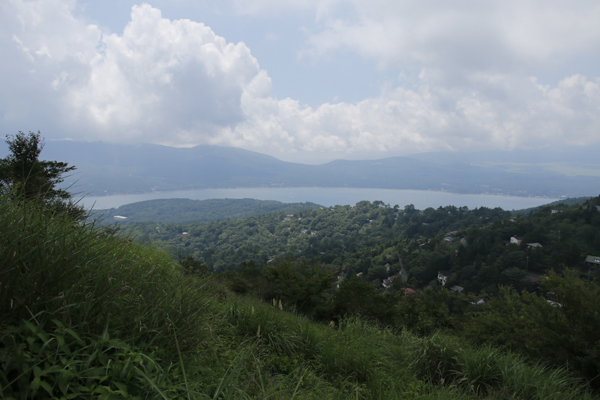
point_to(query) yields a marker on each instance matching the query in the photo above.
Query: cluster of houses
(519, 239)
(443, 276)
(450, 237)
(289, 217)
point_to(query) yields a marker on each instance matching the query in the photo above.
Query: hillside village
(473, 250)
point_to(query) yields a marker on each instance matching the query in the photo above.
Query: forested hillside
(186, 210)
(486, 275)
(572, 201)
(472, 246)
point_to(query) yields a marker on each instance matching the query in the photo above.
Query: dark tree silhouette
(32, 179)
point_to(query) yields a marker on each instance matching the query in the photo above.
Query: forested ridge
(188, 211)
(473, 245)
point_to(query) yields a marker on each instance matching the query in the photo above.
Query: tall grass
(361, 360)
(55, 273)
(51, 266)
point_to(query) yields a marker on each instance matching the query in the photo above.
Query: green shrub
(58, 363)
(436, 358)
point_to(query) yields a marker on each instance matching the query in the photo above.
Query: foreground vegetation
(86, 314)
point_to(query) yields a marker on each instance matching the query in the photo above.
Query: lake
(421, 199)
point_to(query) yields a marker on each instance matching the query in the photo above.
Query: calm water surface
(421, 199)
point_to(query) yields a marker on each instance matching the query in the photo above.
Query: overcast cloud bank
(469, 78)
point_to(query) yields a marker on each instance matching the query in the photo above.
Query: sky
(304, 80)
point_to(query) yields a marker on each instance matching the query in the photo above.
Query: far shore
(330, 196)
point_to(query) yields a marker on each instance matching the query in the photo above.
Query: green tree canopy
(33, 179)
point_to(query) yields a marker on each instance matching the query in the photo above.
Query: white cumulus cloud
(165, 81)
(504, 113)
(471, 83)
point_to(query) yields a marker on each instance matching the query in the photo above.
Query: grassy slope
(89, 315)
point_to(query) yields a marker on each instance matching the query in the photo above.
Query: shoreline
(330, 196)
(331, 187)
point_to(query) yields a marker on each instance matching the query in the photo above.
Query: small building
(534, 246)
(457, 288)
(516, 240)
(387, 283)
(119, 217)
(340, 279)
(593, 261)
(443, 277)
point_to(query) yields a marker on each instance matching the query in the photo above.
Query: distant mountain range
(104, 169)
